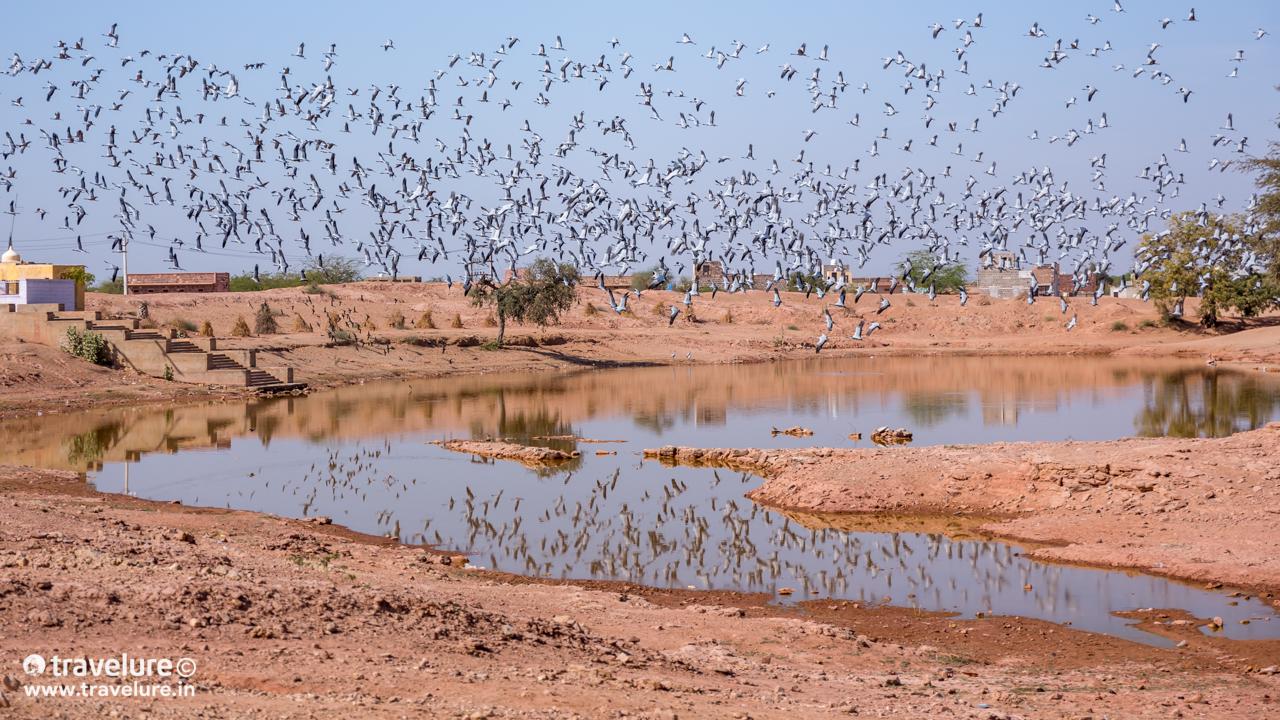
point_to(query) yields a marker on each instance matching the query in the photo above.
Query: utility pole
(124, 250)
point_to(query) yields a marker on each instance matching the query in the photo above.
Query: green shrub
(342, 337)
(1147, 323)
(793, 327)
(1119, 326)
(88, 345)
(108, 287)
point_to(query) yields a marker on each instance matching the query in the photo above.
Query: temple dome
(11, 255)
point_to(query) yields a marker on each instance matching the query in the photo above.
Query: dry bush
(590, 310)
(264, 321)
(206, 329)
(457, 321)
(629, 313)
(334, 319)
(728, 317)
(396, 320)
(241, 328)
(490, 321)
(300, 325)
(984, 301)
(180, 324)
(147, 324)
(660, 309)
(368, 324)
(690, 316)
(426, 322)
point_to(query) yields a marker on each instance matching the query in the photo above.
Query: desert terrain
(301, 619)
(287, 618)
(744, 327)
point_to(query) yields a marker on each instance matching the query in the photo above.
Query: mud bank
(301, 619)
(1193, 509)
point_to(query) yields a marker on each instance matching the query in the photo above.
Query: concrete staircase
(148, 351)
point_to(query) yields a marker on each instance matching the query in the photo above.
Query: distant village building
(183, 282)
(709, 273)
(1006, 277)
(28, 283)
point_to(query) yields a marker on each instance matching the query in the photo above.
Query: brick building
(185, 282)
(1007, 278)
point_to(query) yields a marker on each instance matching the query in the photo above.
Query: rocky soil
(306, 619)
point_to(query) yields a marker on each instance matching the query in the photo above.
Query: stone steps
(154, 352)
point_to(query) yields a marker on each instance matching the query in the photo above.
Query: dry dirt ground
(292, 619)
(728, 328)
(1201, 510)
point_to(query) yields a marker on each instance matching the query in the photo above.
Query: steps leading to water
(154, 352)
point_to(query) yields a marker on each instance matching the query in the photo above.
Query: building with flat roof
(24, 283)
(183, 282)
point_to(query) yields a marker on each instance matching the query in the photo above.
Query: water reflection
(939, 399)
(360, 455)
(1207, 403)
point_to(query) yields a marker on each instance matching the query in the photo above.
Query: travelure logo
(33, 665)
(111, 667)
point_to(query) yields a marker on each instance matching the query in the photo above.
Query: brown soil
(301, 619)
(759, 332)
(1200, 510)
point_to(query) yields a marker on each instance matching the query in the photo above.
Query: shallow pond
(360, 455)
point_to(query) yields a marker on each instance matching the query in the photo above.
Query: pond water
(361, 456)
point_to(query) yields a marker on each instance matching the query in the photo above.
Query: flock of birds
(274, 175)
(670, 534)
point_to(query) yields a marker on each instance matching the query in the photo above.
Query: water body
(360, 455)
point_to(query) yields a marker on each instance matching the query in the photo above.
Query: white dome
(11, 255)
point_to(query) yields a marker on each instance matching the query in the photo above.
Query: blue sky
(1147, 118)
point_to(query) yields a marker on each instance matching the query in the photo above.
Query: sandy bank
(307, 620)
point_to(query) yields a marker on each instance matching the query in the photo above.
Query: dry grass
(300, 325)
(334, 319)
(590, 310)
(490, 321)
(206, 329)
(396, 320)
(241, 328)
(147, 324)
(426, 322)
(728, 318)
(984, 301)
(660, 309)
(457, 321)
(368, 324)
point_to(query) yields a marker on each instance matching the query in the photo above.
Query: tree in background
(334, 271)
(79, 274)
(1267, 210)
(797, 280)
(540, 293)
(946, 278)
(1194, 258)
